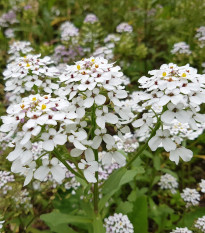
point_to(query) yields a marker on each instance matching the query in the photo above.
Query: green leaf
(62, 228)
(98, 225)
(189, 218)
(113, 181)
(56, 218)
(139, 215)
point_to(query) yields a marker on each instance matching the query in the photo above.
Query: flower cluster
(32, 121)
(23, 199)
(8, 18)
(65, 55)
(118, 223)
(94, 88)
(68, 31)
(191, 197)
(29, 71)
(127, 143)
(91, 18)
(200, 35)
(174, 93)
(169, 182)
(9, 33)
(124, 27)
(200, 224)
(5, 179)
(18, 49)
(181, 230)
(181, 48)
(202, 185)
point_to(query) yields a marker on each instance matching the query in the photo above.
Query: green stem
(144, 147)
(58, 156)
(96, 191)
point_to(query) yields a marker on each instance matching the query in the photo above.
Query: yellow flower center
(96, 66)
(78, 67)
(164, 74)
(27, 65)
(25, 57)
(183, 75)
(22, 106)
(34, 99)
(43, 106)
(93, 60)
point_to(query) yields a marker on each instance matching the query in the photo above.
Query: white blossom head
(168, 182)
(200, 224)
(181, 230)
(91, 18)
(118, 223)
(124, 27)
(202, 185)
(191, 197)
(181, 48)
(68, 31)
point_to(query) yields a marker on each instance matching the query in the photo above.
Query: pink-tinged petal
(89, 176)
(48, 145)
(79, 146)
(88, 102)
(60, 139)
(167, 116)
(76, 152)
(96, 142)
(108, 139)
(58, 173)
(168, 144)
(89, 155)
(154, 143)
(100, 99)
(41, 173)
(119, 158)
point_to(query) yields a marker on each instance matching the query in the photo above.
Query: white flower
(181, 230)
(53, 138)
(200, 224)
(90, 166)
(109, 156)
(169, 182)
(180, 152)
(124, 27)
(68, 30)
(191, 197)
(162, 139)
(181, 48)
(118, 223)
(202, 185)
(91, 18)
(52, 167)
(175, 112)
